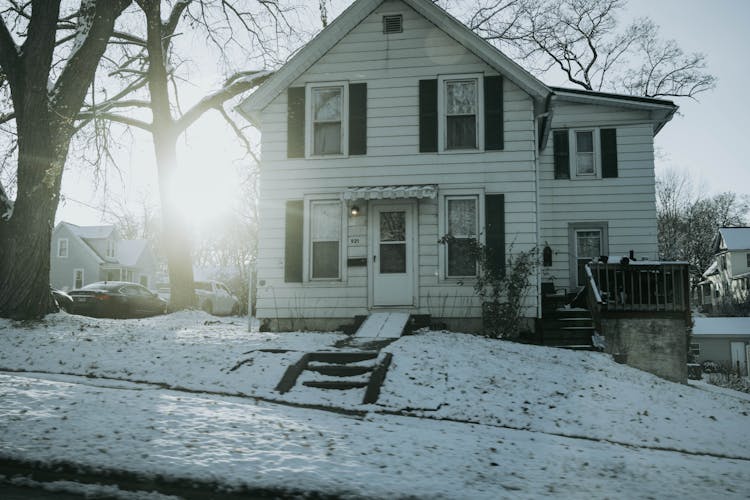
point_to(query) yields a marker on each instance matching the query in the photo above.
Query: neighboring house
(723, 340)
(397, 125)
(728, 277)
(85, 254)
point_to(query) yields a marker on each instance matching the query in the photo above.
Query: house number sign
(354, 241)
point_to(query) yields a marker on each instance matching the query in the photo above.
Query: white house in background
(397, 125)
(722, 340)
(85, 254)
(729, 275)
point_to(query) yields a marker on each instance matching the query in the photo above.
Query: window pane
(325, 261)
(585, 163)
(461, 97)
(327, 138)
(326, 221)
(588, 244)
(461, 261)
(462, 217)
(585, 142)
(392, 258)
(461, 132)
(392, 226)
(327, 104)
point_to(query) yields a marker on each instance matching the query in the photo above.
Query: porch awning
(390, 192)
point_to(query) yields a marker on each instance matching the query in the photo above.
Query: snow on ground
(501, 419)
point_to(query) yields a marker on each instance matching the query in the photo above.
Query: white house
(397, 125)
(728, 277)
(722, 340)
(85, 254)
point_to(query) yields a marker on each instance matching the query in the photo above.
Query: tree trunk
(175, 234)
(26, 237)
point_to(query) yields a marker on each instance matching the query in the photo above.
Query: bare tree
(48, 57)
(584, 40)
(687, 220)
(148, 65)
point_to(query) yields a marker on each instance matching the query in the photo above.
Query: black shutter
(357, 118)
(428, 116)
(608, 140)
(494, 220)
(293, 242)
(562, 154)
(295, 124)
(493, 113)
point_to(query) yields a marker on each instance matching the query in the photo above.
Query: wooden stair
(570, 328)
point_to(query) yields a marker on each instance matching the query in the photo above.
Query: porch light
(354, 210)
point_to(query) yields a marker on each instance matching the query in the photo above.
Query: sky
(705, 139)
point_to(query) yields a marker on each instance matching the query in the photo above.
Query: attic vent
(393, 24)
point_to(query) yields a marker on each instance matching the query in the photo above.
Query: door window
(392, 242)
(588, 246)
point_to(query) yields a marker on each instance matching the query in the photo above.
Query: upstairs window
(62, 248)
(110, 248)
(461, 109)
(327, 118)
(585, 163)
(585, 153)
(461, 113)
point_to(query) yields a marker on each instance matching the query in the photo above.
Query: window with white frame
(325, 239)
(327, 131)
(585, 155)
(461, 101)
(77, 278)
(62, 248)
(695, 349)
(462, 224)
(110, 248)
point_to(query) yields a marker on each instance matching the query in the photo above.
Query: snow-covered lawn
(191, 396)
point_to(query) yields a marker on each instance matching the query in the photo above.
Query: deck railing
(639, 286)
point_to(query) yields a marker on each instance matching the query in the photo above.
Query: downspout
(540, 141)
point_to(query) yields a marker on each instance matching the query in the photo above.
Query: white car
(213, 297)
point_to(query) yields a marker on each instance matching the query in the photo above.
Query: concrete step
(342, 358)
(339, 385)
(340, 370)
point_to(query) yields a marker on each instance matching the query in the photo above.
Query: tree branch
(235, 85)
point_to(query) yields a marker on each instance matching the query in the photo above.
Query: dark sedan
(116, 299)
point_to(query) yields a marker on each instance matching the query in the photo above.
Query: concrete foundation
(655, 345)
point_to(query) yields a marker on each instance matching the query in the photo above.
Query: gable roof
(661, 110)
(130, 251)
(91, 232)
(355, 14)
(74, 231)
(734, 238)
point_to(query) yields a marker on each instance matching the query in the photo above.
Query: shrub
(501, 287)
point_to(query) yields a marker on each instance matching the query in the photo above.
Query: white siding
(391, 66)
(626, 203)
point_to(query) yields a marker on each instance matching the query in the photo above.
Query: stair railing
(594, 299)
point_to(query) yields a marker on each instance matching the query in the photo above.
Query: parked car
(213, 297)
(63, 300)
(116, 299)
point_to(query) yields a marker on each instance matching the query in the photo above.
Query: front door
(392, 261)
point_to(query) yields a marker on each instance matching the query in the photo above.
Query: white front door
(739, 357)
(392, 261)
